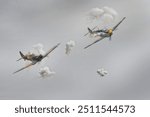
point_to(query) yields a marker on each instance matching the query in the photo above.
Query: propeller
(110, 38)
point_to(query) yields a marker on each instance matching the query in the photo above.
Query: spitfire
(34, 58)
(103, 33)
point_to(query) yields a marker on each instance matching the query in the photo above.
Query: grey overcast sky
(24, 23)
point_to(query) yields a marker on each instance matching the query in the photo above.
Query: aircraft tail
(90, 31)
(22, 55)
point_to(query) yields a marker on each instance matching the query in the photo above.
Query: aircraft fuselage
(106, 33)
(35, 58)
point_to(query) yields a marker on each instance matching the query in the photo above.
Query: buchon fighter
(103, 33)
(34, 58)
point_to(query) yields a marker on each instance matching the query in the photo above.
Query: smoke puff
(45, 72)
(38, 48)
(107, 18)
(110, 11)
(69, 46)
(102, 72)
(105, 13)
(96, 13)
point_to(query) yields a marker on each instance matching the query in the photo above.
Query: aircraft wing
(25, 67)
(115, 27)
(51, 50)
(94, 42)
(19, 59)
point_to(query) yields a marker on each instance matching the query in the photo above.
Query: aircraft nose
(110, 32)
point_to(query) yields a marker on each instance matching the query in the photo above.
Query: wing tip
(123, 18)
(86, 47)
(14, 72)
(58, 44)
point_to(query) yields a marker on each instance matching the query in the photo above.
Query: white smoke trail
(69, 45)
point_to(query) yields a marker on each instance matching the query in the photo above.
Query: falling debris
(69, 45)
(105, 14)
(102, 72)
(46, 72)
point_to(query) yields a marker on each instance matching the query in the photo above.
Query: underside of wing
(51, 50)
(25, 67)
(94, 42)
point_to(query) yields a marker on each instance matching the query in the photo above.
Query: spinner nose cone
(110, 32)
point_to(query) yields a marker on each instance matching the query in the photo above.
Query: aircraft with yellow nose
(103, 33)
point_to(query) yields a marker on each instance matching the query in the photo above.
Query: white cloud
(102, 72)
(69, 45)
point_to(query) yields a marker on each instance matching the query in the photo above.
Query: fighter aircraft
(103, 33)
(34, 58)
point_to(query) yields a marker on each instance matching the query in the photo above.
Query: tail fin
(23, 56)
(90, 31)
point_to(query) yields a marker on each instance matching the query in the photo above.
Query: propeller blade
(110, 38)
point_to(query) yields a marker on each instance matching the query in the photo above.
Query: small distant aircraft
(34, 58)
(103, 33)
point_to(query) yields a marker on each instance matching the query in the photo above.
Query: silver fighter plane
(103, 33)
